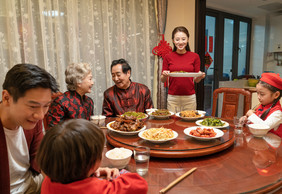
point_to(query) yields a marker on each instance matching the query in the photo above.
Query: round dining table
(237, 162)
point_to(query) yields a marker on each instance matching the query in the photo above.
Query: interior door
(228, 45)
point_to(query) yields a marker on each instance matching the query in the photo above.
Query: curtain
(161, 11)
(55, 33)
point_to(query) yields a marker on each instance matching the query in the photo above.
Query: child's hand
(111, 173)
(250, 112)
(243, 120)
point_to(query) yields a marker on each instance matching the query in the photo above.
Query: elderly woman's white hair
(75, 73)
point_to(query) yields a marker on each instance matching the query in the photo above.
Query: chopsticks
(255, 107)
(172, 184)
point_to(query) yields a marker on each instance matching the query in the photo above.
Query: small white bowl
(151, 110)
(258, 130)
(119, 157)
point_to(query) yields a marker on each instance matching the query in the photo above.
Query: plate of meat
(125, 125)
(203, 133)
(161, 114)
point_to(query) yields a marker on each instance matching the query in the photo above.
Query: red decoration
(211, 44)
(206, 42)
(162, 49)
(208, 60)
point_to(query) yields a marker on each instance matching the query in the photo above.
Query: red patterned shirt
(137, 97)
(68, 106)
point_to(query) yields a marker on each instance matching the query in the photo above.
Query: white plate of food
(158, 135)
(161, 114)
(138, 115)
(203, 133)
(191, 115)
(212, 122)
(109, 126)
(184, 74)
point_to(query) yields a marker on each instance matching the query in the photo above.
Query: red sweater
(189, 62)
(129, 183)
(260, 111)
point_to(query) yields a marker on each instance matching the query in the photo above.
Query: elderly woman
(73, 103)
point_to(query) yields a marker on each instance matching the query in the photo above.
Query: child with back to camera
(269, 111)
(70, 155)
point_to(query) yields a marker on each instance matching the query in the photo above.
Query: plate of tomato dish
(203, 133)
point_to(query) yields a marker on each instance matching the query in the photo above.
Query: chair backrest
(54, 95)
(231, 101)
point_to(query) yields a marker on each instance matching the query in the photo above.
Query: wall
(181, 13)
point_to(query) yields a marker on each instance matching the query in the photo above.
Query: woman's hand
(198, 79)
(164, 76)
(111, 173)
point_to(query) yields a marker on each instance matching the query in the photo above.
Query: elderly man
(26, 96)
(125, 95)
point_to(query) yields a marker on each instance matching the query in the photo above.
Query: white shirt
(273, 121)
(18, 156)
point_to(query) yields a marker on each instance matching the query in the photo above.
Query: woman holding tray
(181, 92)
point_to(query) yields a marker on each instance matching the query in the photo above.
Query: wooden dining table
(237, 162)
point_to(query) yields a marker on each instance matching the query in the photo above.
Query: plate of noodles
(161, 114)
(184, 74)
(191, 115)
(203, 133)
(158, 135)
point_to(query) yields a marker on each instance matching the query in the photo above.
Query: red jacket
(33, 138)
(260, 111)
(129, 183)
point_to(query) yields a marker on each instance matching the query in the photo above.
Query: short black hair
(125, 66)
(23, 77)
(70, 149)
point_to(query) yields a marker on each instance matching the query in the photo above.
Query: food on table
(161, 112)
(178, 72)
(158, 134)
(119, 153)
(127, 123)
(203, 132)
(190, 113)
(212, 122)
(138, 115)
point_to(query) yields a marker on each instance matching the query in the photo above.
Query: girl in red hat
(269, 112)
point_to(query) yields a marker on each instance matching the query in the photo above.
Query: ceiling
(248, 8)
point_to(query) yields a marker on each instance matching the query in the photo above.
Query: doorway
(227, 50)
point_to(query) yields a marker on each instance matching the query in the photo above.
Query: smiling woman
(73, 103)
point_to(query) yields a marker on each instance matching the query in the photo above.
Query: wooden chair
(231, 101)
(54, 95)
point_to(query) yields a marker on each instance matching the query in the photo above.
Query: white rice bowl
(119, 157)
(258, 130)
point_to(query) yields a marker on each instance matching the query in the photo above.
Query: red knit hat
(272, 79)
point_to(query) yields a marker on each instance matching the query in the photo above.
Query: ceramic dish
(124, 132)
(218, 132)
(161, 117)
(187, 74)
(140, 134)
(198, 122)
(202, 113)
(146, 116)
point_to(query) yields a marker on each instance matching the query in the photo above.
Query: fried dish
(127, 123)
(161, 112)
(203, 132)
(190, 113)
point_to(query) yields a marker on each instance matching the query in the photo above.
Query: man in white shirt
(26, 96)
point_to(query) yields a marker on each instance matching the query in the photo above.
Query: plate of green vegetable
(138, 115)
(212, 122)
